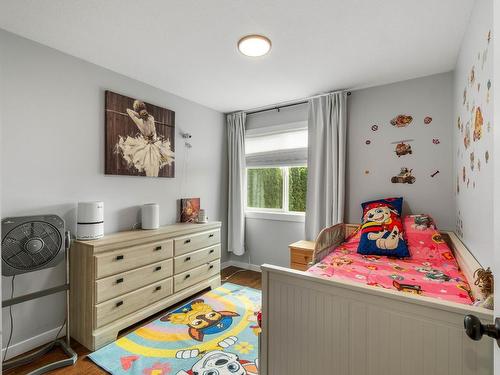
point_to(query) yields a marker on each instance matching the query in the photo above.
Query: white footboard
(318, 326)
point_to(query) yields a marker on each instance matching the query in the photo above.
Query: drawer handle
(211, 251)
(120, 280)
(210, 235)
(211, 266)
(158, 268)
(187, 241)
(158, 288)
(119, 257)
(119, 303)
(187, 276)
(187, 259)
(157, 248)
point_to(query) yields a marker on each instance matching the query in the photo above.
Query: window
(280, 189)
(276, 160)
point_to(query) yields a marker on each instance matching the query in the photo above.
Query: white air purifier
(90, 221)
(150, 216)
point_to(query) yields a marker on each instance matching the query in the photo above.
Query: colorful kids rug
(212, 334)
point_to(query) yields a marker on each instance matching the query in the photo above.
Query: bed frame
(313, 325)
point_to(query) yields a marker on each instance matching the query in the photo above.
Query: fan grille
(31, 245)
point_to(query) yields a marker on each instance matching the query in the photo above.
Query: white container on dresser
(125, 277)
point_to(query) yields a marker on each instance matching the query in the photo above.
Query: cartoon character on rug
(218, 362)
(381, 224)
(201, 319)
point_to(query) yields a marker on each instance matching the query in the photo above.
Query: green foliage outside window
(265, 188)
(297, 189)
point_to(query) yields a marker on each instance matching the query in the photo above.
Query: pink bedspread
(430, 271)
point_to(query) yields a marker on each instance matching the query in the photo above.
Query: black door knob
(475, 329)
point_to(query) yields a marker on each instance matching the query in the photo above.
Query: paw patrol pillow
(382, 230)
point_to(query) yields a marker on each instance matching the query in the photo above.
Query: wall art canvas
(140, 138)
(190, 208)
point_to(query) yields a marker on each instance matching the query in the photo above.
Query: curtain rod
(290, 103)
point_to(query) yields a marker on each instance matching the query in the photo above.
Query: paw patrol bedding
(431, 269)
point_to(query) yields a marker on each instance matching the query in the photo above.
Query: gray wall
(428, 96)
(267, 240)
(474, 197)
(53, 156)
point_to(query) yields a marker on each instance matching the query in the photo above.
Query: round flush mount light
(254, 45)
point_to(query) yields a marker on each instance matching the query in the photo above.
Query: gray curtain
(326, 163)
(237, 183)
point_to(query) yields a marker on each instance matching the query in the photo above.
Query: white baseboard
(33, 342)
(246, 266)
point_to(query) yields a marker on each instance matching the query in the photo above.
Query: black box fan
(32, 243)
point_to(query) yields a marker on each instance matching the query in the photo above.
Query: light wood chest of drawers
(125, 277)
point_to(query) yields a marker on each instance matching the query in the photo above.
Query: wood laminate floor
(85, 366)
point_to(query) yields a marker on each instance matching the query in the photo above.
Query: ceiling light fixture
(254, 45)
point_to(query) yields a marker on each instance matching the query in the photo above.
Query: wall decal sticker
(460, 124)
(465, 96)
(458, 185)
(463, 173)
(485, 57)
(436, 141)
(488, 86)
(472, 76)
(367, 172)
(473, 184)
(472, 161)
(434, 174)
(468, 182)
(368, 142)
(486, 156)
(405, 176)
(478, 164)
(478, 87)
(374, 128)
(403, 147)
(401, 121)
(478, 124)
(489, 36)
(467, 135)
(427, 120)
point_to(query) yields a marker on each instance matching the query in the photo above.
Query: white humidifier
(90, 221)
(150, 215)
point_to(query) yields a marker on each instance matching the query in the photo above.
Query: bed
(357, 315)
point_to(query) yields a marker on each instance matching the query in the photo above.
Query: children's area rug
(215, 334)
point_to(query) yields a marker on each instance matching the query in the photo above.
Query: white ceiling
(188, 47)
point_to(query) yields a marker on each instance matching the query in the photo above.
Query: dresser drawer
(125, 282)
(190, 260)
(195, 275)
(117, 261)
(183, 245)
(116, 308)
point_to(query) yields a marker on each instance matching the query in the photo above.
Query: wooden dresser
(301, 253)
(125, 277)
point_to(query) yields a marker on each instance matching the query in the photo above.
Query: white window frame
(278, 214)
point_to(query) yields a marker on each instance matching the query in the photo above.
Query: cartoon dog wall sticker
(201, 319)
(379, 221)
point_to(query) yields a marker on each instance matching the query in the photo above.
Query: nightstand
(301, 253)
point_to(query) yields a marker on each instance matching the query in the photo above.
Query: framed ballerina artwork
(140, 138)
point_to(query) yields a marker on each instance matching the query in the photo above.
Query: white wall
(427, 96)
(53, 156)
(474, 208)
